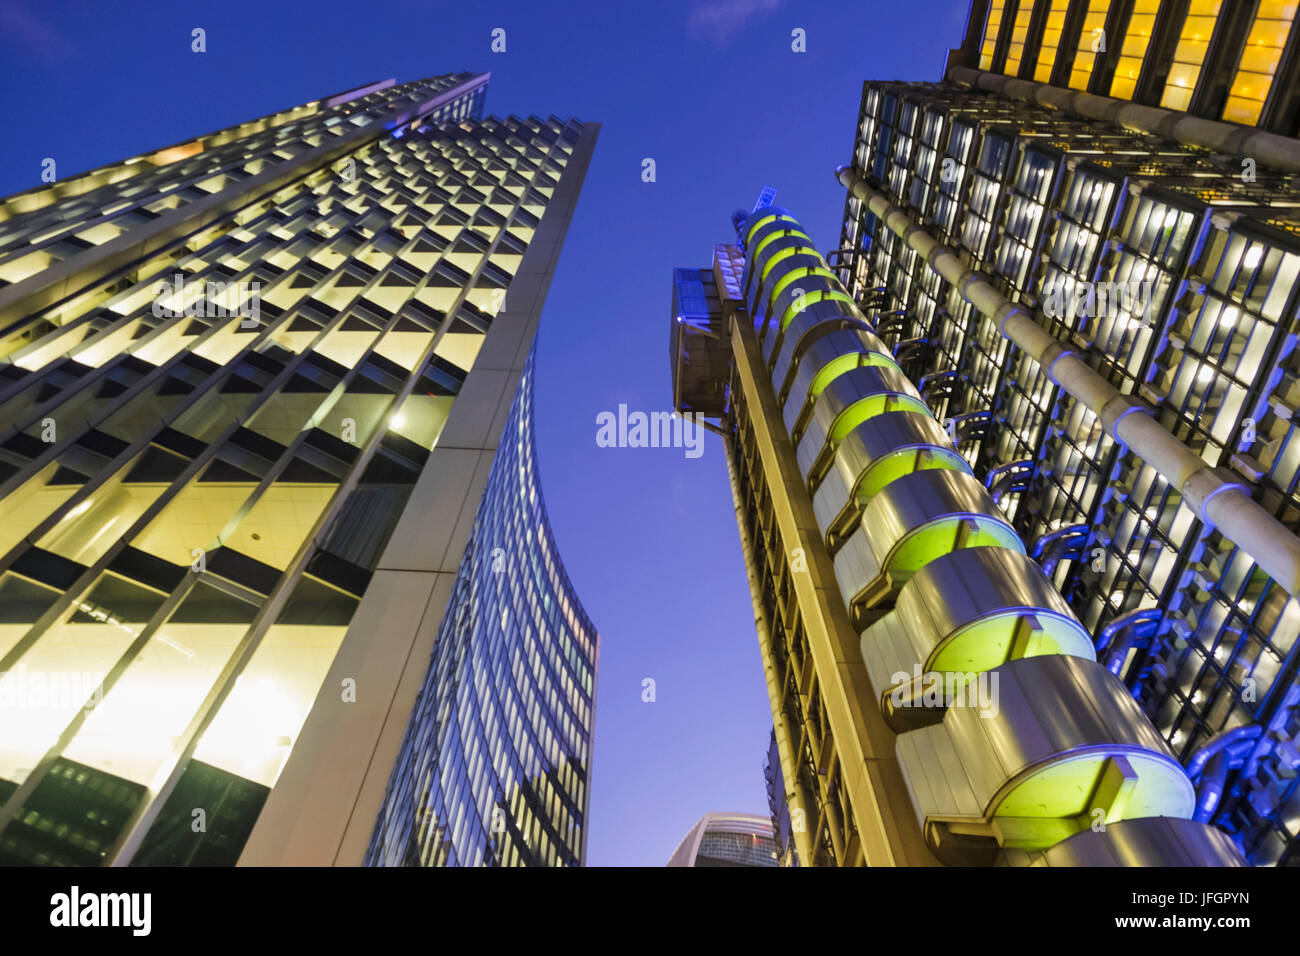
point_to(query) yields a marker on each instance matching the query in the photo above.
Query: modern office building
(1014, 464)
(727, 839)
(252, 388)
(495, 768)
(934, 698)
(1143, 448)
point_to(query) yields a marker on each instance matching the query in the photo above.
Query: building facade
(727, 840)
(495, 768)
(1059, 325)
(1232, 60)
(252, 387)
(1142, 449)
(934, 697)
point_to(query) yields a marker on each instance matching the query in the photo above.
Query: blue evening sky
(709, 89)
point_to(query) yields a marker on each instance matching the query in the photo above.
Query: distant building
(782, 823)
(727, 839)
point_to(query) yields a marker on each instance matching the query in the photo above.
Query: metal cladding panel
(848, 338)
(803, 323)
(843, 391)
(920, 498)
(829, 501)
(967, 585)
(936, 778)
(889, 648)
(1031, 727)
(876, 439)
(797, 275)
(773, 221)
(783, 253)
(1149, 841)
(824, 350)
(856, 565)
(778, 257)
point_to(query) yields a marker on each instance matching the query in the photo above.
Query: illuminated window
(991, 34)
(1259, 61)
(1091, 42)
(1017, 48)
(1051, 40)
(1136, 39)
(1189, 55)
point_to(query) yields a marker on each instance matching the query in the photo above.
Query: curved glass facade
(727, 840)
(495, 766)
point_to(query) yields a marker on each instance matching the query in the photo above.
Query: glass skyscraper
(934, 697)
(496, 765)
(252, 387)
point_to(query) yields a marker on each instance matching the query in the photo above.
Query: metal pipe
(1224, 741)
(789, 771)
(1267, 149)
(1210, 790)
(1209, 767)
(1218, 498)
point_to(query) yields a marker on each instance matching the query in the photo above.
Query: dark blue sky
(711, 91)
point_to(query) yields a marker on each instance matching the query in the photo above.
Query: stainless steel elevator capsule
(1013, 741)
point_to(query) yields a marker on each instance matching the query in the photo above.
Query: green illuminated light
(1055, 802)
(811, 299)
(988, 642)
(773, 236)
(905, 461)
(945, 536)
(786, 254)
(870, 407)
(804, 273)
(759, 224)
(845, 363)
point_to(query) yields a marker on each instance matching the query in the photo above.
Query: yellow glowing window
(1137, 36)
(1189, 55)
(1092, 40)
(1254, 78)
(991, 34)
(1017, 48)
(1051, 40)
